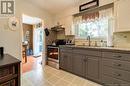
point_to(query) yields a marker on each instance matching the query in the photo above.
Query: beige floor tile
(62, 83)
(53, 80)
(53, 77)
(60, 74)
(78, 81)
(90, 83)
(25, 82)
(46, 83)
(69, 78)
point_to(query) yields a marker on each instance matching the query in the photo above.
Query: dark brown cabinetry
(9, 71)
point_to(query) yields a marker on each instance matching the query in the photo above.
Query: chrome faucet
(89, 40)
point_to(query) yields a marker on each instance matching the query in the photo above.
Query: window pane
(97, 28)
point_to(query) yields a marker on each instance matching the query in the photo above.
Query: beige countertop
(101, 48)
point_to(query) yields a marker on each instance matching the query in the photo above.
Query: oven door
(53, 54)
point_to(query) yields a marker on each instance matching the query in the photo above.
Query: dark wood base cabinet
(106, 67)
(9, 71)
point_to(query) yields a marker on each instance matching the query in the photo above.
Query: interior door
(38, 41)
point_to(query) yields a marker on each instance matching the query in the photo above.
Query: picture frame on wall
(89, 5)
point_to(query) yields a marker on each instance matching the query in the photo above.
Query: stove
(53, 56)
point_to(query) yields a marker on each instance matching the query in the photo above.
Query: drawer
(66, 50)
(87, 52)
(110, 81)
(124, 65)
(7, 71)
(116, 73)
(9, 83)
(117, 56)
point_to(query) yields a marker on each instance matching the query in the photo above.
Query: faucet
(89, 40)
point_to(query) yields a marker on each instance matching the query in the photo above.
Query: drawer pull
(85, 60)
(118, 56)
(117, 74)
(118, 85)
(119, 65)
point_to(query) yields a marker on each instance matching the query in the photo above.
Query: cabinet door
(92, 70)
(66, 61)
(63, 60)
(78, 64)
(69, 62)
(122, 15)
(69, 25)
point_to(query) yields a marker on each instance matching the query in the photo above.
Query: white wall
(75, 9)
(12, 40)
(69, 12)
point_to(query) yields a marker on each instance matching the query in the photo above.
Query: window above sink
(96, 24)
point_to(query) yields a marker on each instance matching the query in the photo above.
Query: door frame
(44, 41)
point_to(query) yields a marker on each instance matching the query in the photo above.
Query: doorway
(32, 43)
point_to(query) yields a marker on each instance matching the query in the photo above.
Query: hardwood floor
(32, 64)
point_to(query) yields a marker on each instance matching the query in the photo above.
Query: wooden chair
(24, 52)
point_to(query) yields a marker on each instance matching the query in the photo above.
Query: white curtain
(94, 24)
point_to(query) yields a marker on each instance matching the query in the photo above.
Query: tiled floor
(49, 76)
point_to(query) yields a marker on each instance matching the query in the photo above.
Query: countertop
(7, 60)
(99, 48)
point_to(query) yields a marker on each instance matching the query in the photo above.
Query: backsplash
(122, 39)
(119, 40)
(85, 42)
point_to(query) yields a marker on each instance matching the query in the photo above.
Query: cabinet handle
(119, 65)
(118, 56)
(85, 60)
(118, 85)
(117, 74)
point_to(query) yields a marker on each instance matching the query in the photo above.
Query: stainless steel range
(53, 56)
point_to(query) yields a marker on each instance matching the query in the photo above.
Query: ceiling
(55, 6)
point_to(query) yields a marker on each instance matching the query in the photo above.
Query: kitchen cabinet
(9, 71)
(67, 22)
(79, 64)
(110, 81)
(105, 2)
(115, 69)
(66, 61)
(122, 15)
(69, 30)
(106, 66)
(92, 68)
(82, 62)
